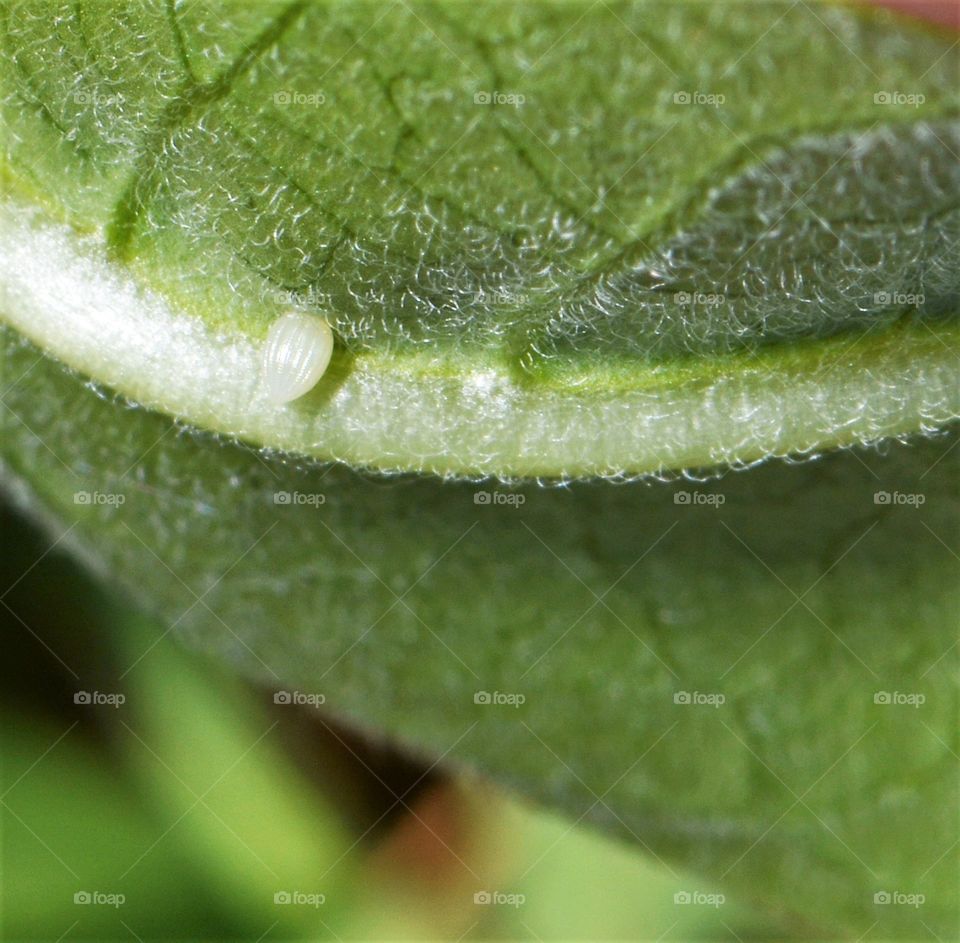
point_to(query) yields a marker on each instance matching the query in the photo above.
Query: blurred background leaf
(198, 800)
(797, 593)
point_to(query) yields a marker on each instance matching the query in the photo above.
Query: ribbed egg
(296, 354)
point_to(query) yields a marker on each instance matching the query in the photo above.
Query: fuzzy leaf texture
(552, 239)
(619, 275)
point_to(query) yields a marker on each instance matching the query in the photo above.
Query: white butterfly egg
(296, 354)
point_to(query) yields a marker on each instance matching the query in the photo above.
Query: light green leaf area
(559, 239)
(753, 679)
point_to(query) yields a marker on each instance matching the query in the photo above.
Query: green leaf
(707, 234)
(803, 594)
(552, 239)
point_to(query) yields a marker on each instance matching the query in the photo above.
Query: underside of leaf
(684, 254)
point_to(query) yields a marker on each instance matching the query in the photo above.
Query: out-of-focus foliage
(799, 594)
(185, 807)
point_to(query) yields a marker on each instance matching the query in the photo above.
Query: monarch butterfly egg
(295, 355)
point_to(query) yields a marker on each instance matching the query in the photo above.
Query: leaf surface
(575, 643)
(729, 232)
